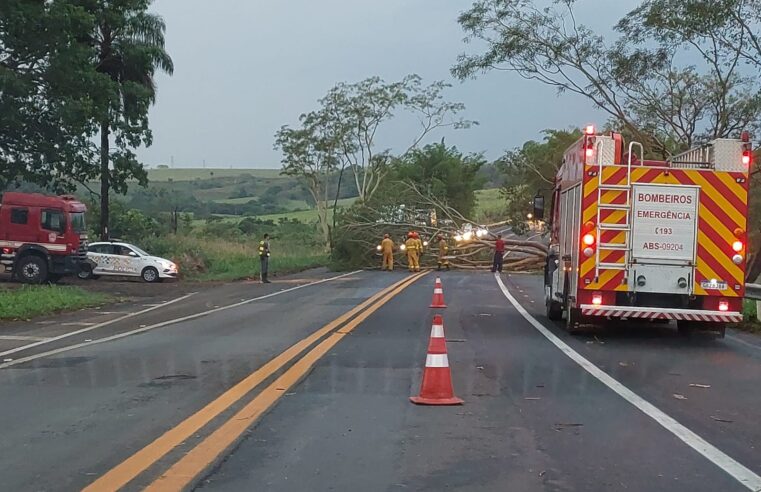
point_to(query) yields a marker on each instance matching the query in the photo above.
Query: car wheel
(32, 270)
(85, 274)
(150, 275)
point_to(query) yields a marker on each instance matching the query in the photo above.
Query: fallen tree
(364, 226)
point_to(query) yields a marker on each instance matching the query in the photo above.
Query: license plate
(713, 285)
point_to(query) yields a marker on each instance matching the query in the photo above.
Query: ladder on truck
(626, 227)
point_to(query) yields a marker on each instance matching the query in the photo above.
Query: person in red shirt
(499, 254)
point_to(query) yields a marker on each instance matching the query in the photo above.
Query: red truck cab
(42, 238)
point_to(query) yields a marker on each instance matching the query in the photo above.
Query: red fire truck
(42, 238)
(640, 239)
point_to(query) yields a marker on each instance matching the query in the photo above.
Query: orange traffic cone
(437, 343)
(436, 388)
(438, 295)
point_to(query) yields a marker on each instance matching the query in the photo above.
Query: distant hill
(192, 174)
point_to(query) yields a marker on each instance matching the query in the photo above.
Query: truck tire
(150, 275)
(32, 269)
(554, 309)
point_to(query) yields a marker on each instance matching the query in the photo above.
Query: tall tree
(48, 93)
(637, 80)
(311, 153)
(356, 113)
(130, 50)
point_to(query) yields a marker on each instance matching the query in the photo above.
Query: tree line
(674, 74)
(77, 78)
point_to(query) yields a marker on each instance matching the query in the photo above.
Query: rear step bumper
(632, 312)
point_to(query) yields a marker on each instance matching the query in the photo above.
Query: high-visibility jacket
(411, 245)
(264, 248)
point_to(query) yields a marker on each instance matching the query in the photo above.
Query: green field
(191, 174)
(309, 215)
(490, 203)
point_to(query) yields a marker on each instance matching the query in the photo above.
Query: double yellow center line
(191, 466)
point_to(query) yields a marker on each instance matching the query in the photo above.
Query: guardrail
(753, 291)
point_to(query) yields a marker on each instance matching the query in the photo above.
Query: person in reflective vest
(443, 250)
(264, 258)
(387, 249)
(412, 252)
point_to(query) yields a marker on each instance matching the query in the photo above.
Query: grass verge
(750, 322)
(36, 300)
(204, 258)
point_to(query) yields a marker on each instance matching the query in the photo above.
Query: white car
(124, 259)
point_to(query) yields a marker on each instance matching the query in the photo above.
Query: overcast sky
(243, 68)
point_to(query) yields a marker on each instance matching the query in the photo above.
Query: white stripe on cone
(438, 290)
(436, 360)
(437, 331)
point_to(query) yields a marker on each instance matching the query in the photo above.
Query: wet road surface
(335, 414)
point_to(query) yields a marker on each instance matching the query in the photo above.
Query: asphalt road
(181, 403)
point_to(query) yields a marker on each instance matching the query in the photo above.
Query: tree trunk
(104, 180)
(335, 204)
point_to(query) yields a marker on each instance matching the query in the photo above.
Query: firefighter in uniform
(443, 250)
(412, 252)
(264, 257)
(420, 247)
(387, 249)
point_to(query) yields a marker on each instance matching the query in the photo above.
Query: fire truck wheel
(721, 331)
(150, 275)
(554, 310)
(32, 269)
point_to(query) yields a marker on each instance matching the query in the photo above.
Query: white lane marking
(739, 472)
(90, 328)
(164, 323)
(77, 323)
(22, 338)
(747, 344)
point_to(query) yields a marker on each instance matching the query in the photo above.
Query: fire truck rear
(655, 240)
(42, 238)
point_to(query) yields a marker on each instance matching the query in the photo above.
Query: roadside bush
(209, 258)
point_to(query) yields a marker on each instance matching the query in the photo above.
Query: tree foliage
(531, 169)
(49, 94)
(643, 80)
(443, 172)
(311, 152)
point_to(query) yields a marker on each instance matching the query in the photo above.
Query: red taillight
(723, 306)
(589, 239)
(747, 158)
(737, 246)
(589, 130)
(7, 251)
(596, 298)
